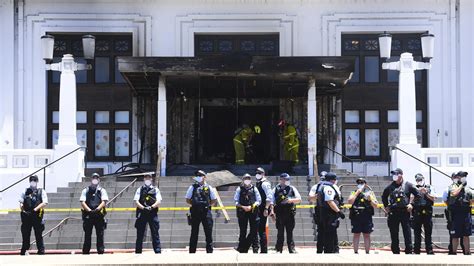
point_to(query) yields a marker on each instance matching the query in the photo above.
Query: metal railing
(351, 160)
(421, 161)
(140, 152)
(44, 169)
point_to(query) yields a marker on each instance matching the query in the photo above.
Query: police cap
(34, 178)
(260, 170)
(397, 171)
(285, 176)
(95, 176)
(200, 173)
(330, 176)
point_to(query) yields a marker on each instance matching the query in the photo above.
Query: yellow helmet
(257, 129)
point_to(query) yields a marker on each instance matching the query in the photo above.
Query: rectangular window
(118, 76)
(392, 75)
(392, 116)
(122, 117)
(371, 69)
(102, 69)
(356, 74)
(102, 117)
(352, 142)
(352, 116)
(81, 76)
(372, 142)
(101, 146)
(372, 116)
(122, 142)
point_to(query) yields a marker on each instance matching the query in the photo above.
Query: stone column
(312, 128)
(161, 127)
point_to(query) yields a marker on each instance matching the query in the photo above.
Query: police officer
(93, 199)
(330, 210)
(455, 179)
(32, 203)
(247, 199)
(422, 214)
(201, 197)
(286, 197)
(363, 203)
(148, 199)
(265, 209)
(313, 198)
(397, 205)
(460, 197)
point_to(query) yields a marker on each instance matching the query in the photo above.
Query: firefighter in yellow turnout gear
(242, 142)
(291, 144)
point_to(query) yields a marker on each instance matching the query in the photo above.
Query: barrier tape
(346, 206)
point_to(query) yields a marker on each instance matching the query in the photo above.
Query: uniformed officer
(454, 177)
(460, 197)
(265, 209)
(286, 197)
(397, 205)
(422, 214)
(330, 210)
(247, 200)
(363, 203)
(201, 197)
(93, 199)
(148, 199)
(32, 203)
(313, 198)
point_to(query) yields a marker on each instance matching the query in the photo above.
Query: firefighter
(286, 197)
(247, 200)
(313, 198)
(242, 140)
(147, 199)
(422, 215)
(266, 209)
(32, 203)
(291, 143)
(201, 197)
(363, 203)
(93, 199)
(396, 199)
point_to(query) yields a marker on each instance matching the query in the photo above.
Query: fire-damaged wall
(181, 130)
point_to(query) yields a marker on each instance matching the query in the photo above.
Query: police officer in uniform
(265, 209)
(32, 203)
(247, 199)
(286, 197)
(330, 210)
(460, 197)
(148, 199)
(363, 204)
(422, 214)
(201, 197)
(397, 205)
(455, 179)
(313, 198)
(93, 199)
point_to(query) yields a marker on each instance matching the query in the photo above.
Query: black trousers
(394, 220)
(150, 218)
(329, 224)
(29, 222)
(88, 224)
(201, 216)
(261, 237)
(422, 220)
(247, 219)
(285, 222)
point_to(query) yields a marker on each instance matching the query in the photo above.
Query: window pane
(56, 75)
(372, 142)
(55, 137)
(419, 116)
(122, 117)
(122, 142)
(392, 75)
(102, 70)
(392, 116)
(102, 117)
(81, 76)
(356, 74)
(352, 142)
(393, 137)
(101, 147)
(55, 117)
(372, 116)
(118, 76)
(81, 136)
(352, 116)
(419, 136)
(371, 69)
(81, 117)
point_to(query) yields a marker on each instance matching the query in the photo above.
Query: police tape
(346, 206)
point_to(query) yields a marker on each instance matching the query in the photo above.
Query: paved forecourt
(305, 256)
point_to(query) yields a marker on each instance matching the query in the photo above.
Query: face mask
(33, 184)
(287, 183)
(148, 182)
(198, 179)
(335, 182)
(247, 182)
(258, 176)
(463, 179)
(95, 182)
(395, 177)
(360, 186)
(420, 183)
(456, 180)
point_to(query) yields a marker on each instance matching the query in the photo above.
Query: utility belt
(201, 208)
(285, 209)
(422, 211)
(460, 208)
(357, 211)
(32, 215)
(94, 214)
(139, 212)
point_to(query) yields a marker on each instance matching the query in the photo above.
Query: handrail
(345, 157)
(121, 191)
(50, 231)
(425, 163)
(135, 154)
(43, 168)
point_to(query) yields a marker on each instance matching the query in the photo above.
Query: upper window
(266, 44)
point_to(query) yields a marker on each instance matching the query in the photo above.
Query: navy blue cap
(330, 176)
(285, 176)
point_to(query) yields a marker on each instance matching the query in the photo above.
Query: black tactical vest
(201, 195)
(263, 195)
(361, 206)
(93, 197)
(281, 194)
(337, 197)
(459, 203)
(423, 201)
(32, 199)
(247, 196)
(147, 196)
(398, 199)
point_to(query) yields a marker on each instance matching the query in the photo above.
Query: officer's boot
(291, 247)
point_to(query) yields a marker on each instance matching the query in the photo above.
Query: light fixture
(88, 45)
(427, 45)
(385, 45)
(47, 45)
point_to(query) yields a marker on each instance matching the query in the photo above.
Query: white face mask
(147, 182)
(258, 176)
(420, 183)
(335, 182)
(463, 179)
(95, 182)
(395, 177)
(287, 183)
(360, 186)
(455, 180)
(198, 179)
(247, 182)
(33, 184)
